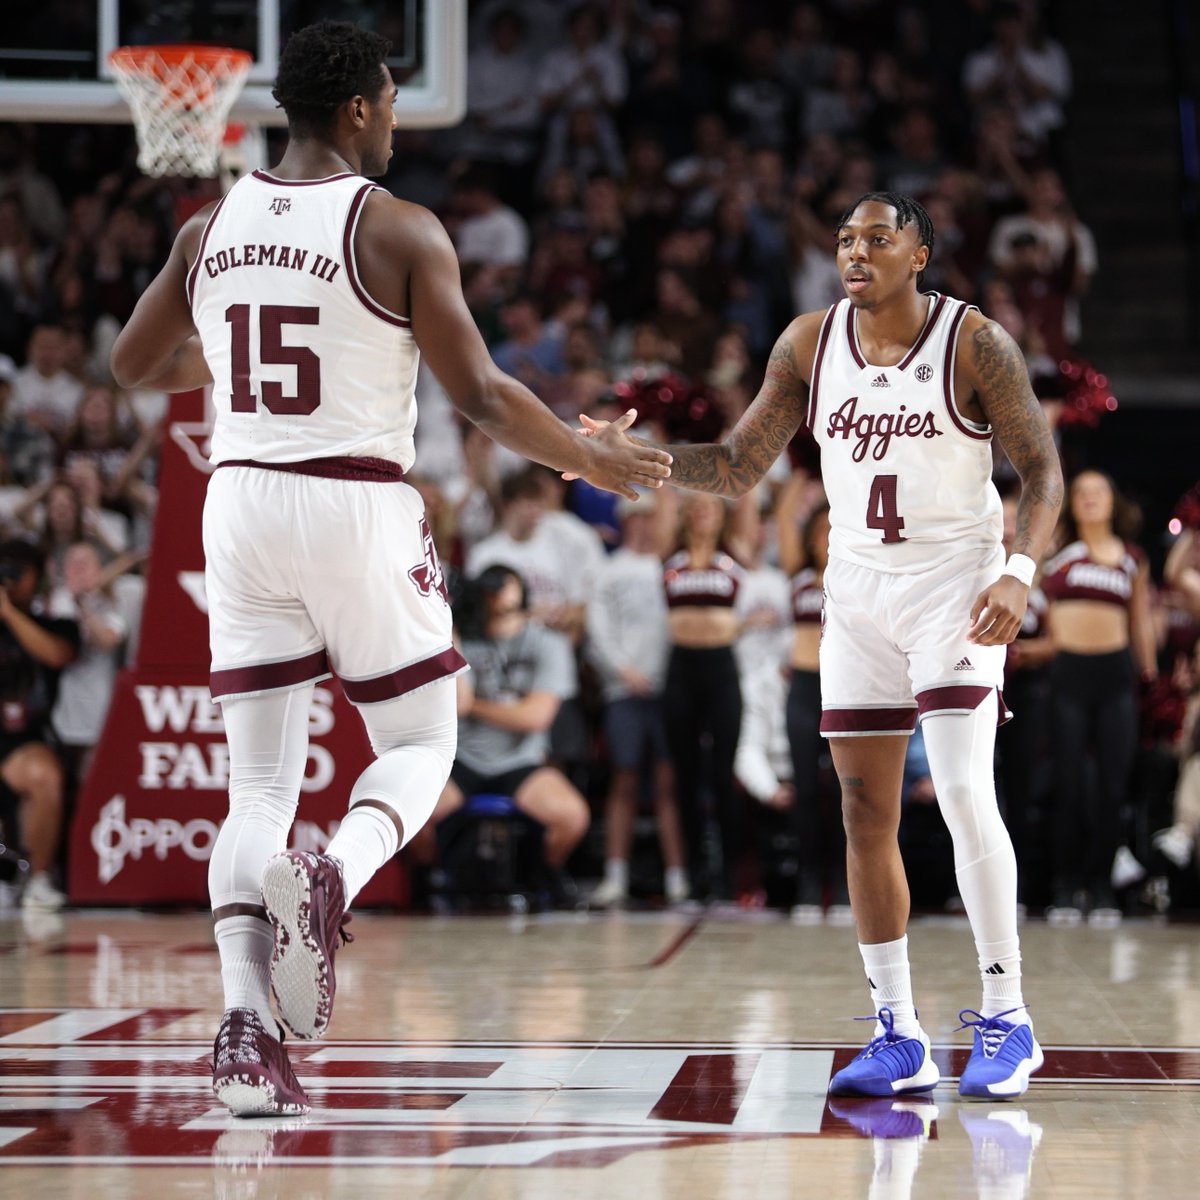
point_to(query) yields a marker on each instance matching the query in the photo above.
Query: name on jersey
(880, 427)
(251, 255)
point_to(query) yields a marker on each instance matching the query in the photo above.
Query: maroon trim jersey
(807, 597)
(712, 586)
(1072, 574)
(909, 479)
(305, 363)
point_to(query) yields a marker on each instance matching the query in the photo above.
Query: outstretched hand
(997, 612)
(622, 463)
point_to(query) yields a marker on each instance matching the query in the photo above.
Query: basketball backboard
(54, 62)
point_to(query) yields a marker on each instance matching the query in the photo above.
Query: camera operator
(33, 650)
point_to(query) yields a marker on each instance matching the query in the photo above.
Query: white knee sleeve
(268, 751)
(960, 749)
(415, 738)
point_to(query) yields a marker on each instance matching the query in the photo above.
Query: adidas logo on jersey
(880, 381)
(964, 664)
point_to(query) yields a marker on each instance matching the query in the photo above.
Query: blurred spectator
(583, 379)
(587, 72)
(531, 352)
(22, 263)
(490, 233)
(36, 195)
(86, 684)
(1022, 69)
(916, 160)
(520, 674)
(806, 56)
(844, 105)
(503, 112)
(33, 651)
(760, 104)
(582, 144)
(683, 321)
(1049, 256)
(42, 392)
(544, 551)
(27, 451)
(627, 644)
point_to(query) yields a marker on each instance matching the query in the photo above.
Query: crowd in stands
(642, 194)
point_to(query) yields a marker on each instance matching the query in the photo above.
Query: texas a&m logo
(427, 575)
(280, 205)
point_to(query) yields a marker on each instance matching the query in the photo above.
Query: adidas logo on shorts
(964, 664)
(880, 381)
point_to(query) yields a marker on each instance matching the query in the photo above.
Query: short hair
(908, 212)
(19, 553)
(525, 484)
(322, 66)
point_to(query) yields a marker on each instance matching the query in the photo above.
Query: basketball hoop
(180, 97)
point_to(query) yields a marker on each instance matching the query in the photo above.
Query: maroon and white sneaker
(305, 902)
(252, 1076)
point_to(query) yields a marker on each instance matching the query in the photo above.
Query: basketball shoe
(252, 1076)
(1003, 1057)
(305, 902)
(888, 1065)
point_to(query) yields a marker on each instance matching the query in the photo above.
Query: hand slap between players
(620, 462)
(997, 612)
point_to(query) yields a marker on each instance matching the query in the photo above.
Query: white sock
(676, 881)
(616, 872)
(1000, 970)
(245, 944)
(365, 840)
(890, 981)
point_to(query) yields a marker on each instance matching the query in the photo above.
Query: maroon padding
(868, 720)
(268, 677)
(365, 298)
(405, 680)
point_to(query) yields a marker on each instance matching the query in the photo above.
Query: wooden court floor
(625, 1055)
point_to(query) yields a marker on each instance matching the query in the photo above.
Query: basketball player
(304, 297)
(904, 391)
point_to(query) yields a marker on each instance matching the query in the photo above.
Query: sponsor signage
(154, 798)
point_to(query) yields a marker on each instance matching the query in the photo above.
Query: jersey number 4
(272, 352)
(881, 508)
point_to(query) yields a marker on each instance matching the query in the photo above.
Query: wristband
(1022, 567)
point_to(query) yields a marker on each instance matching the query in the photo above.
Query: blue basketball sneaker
(889, 1065)
(895, 1117)
(1002, 1059)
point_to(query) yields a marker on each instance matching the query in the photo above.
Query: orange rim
(199, 62)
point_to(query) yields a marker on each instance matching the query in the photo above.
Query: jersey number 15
(272, 352)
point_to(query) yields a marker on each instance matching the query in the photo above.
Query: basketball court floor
(632, 1054)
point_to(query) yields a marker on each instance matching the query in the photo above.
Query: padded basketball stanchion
(180, 98)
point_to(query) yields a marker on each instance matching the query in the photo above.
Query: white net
(180, 97)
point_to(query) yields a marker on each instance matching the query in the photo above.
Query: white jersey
(909, 479)
(305, 363)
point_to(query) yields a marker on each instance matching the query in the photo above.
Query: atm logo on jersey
(878, 427)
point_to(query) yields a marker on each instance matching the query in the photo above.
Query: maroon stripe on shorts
(404, 680)
(958, 697)
(869, 720)
(268, 677)
(366, 470)
(962, 697)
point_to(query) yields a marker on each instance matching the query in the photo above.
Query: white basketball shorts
(894, 645)
(308, 576)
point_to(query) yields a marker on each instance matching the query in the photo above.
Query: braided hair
(324, 65)
(908, 212)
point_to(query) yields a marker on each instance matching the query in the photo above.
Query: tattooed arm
(995, 368)
(991, 364)
(734, 466)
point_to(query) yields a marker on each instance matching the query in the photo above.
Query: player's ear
(920, 259)
(357, 108)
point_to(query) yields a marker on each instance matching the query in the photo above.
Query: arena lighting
(1175, 526)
